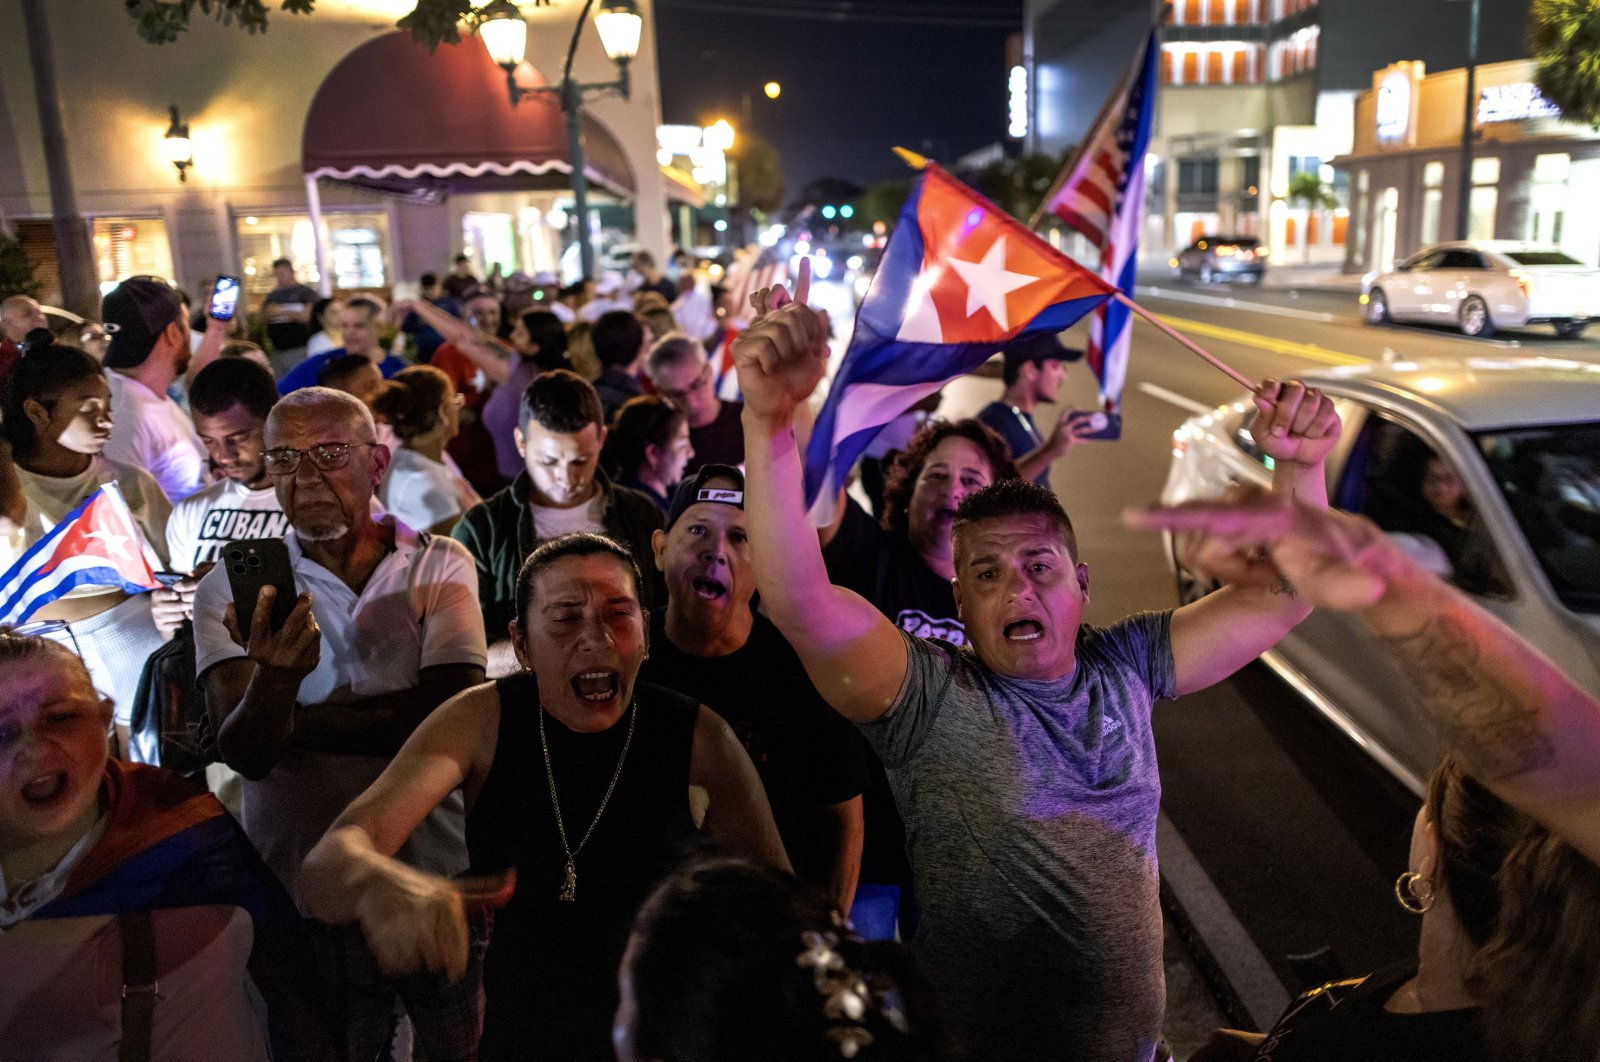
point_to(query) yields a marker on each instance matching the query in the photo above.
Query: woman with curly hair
(903, 565)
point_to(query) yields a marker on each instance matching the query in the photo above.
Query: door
(1461, 273)
(1408, 481)
(1408, 287)
(1385, 229)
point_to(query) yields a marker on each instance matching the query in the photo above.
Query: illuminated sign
(1394, 107)
(1514, 103)
(1017, 86)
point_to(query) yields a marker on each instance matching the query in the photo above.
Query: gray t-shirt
(1030, 811)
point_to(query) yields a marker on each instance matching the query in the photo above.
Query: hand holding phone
(1095, 424)
(224, 298)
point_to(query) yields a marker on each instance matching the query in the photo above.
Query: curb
(1238, 976)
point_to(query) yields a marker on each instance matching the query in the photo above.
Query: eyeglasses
(325, 457)
(698, 383)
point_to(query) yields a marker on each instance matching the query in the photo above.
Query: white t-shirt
(151, 432)
(320, 343)
(210, 518)
(418, 490)
(418, 609)
(548, 523)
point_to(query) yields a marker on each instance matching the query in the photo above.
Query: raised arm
(1217, 635)
(488, 356)
(854, 655)
(1520, 725)
(412, 920)
(738, 816)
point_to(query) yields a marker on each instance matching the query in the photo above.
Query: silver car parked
(1487, 470)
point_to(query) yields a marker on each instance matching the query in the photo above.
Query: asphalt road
(1300, 834)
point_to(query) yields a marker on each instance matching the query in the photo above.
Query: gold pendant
(569, 888)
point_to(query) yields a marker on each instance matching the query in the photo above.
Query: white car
(1486, 284)
(1488, 471)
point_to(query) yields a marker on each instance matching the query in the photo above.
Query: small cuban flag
(96, 544)
(959, 279)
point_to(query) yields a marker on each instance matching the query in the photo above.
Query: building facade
(1253, 94)
(1529, 171)
(331, 139)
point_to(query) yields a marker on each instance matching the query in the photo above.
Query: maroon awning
(392, 115)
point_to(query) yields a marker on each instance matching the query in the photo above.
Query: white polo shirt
(418, 609)
(149, 431)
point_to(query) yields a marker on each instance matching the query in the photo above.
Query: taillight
(1525, 282)
(1226, 251)
(1178, 445)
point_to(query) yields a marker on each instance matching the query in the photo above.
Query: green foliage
(760, 173)
(1564, 39)
(431, 22)
(16, 273)
(1313, 191)
(882, 201)
(1017, 186)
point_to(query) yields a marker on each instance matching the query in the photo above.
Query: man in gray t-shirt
(1022, 762)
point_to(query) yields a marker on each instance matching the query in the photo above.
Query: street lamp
(505, 35)
(176, 145)
(718, 136)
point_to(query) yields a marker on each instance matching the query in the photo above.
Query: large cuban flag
(959, 280)
(95, 544)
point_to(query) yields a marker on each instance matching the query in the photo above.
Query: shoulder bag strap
(139, 987)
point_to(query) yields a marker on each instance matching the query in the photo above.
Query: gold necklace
(569, 887)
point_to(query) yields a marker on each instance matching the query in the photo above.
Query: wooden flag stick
(1234, 374)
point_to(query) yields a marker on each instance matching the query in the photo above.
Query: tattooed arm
(1521, 726)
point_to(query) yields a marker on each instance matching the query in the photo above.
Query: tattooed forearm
(1496, 734)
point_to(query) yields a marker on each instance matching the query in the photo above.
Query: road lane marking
(1308, 351)
(1231, 303)
(1183, 402)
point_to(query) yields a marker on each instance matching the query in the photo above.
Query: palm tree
(74, 253)
(1309, 188)
(1564, 38)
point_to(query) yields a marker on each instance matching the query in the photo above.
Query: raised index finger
(802, 283)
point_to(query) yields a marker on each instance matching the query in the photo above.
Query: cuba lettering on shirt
(224, 512)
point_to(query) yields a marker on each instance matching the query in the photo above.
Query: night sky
(852, 88)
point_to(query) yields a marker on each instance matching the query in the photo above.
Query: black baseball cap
(1037, 348)
(135, 313)
(693, 490)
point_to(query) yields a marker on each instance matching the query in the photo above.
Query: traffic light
(829, 212)
(847, 211)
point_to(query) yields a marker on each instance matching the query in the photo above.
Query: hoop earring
(1415, 900)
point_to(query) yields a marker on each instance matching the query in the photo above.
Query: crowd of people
(579, 741)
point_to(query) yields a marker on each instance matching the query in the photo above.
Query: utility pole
(1469, 112)
(74, 254)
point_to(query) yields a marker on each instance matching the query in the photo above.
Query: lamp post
(1468, 121)
(505, 34)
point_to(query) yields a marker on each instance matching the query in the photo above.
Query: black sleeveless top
(550, 973)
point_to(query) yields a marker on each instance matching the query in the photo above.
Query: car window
(1424, 262)
(1550, 477)
(1542, 258)
(1461, 260)
(1421, 498)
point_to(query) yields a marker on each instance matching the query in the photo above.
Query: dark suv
(1222, 258)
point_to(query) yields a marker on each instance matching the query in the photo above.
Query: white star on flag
(989, 282)
(114, 543)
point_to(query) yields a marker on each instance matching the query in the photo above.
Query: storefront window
(356, 249)
(1485, 201)
(490, 240)
(127, 247)
(1548, 199)
(1432, 201)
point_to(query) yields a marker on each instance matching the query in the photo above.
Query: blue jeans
(879, 910)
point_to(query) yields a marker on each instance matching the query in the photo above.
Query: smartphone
(254, 563)
(1102, 425)
(224, 298)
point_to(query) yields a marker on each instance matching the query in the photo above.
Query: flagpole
(1234, 374)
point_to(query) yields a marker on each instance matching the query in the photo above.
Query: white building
(405, 158)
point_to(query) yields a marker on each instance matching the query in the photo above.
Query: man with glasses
(19, 315)
(386, 628)
(681, 373)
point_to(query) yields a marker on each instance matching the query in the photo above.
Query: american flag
(1101, 195)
